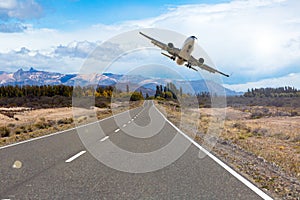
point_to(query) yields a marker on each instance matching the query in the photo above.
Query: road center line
(117, 130)
(129, 122)
(105, 138)
(124, 125)
(75, 156)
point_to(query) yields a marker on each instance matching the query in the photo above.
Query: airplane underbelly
(179, 61)
(184, 54)
(186, 51)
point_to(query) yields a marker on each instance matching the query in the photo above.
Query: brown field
(18, 124)
(264, 148)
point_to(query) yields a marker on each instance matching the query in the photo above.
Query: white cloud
(42, 60)
(19, 9)
(252, 39)
(76, 49)
(7, 4)
(244, 37)
(66, 59)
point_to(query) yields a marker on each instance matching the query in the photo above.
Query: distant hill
(140, 83)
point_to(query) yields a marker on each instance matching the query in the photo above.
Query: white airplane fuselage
(186, 50)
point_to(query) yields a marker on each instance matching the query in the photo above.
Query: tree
(180, 91)
(136, 96)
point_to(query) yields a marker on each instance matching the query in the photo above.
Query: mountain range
(144, 84)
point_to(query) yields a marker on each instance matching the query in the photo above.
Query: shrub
(18, 131)
(4, 132)
(136, 96)
(256, 115)
(65, 121)
(294, 113)
(259, 131)
(11, 125)
(51, 122)
(40, 125)
(160, 98)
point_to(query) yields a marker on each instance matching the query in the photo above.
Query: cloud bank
(254, 40)
(13, 12)
(19, 9)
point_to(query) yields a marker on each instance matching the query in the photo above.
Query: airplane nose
(194, 37)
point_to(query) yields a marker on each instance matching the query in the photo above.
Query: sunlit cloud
(19, 9)
(253, 40)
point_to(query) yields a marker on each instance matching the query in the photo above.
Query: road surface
(59, 166)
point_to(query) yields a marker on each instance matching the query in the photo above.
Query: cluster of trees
(36, 91)
(169, 91)
(99, 91)
(61, 95)
(50, 96)
(273, 92)
(55, 90)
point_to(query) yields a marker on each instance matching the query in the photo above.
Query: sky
(257, 42)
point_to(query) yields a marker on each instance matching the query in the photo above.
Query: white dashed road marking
(117, 130)
(75, 156)
(105, 138)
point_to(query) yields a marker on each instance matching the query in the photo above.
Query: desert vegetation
(259, 136)
(265, 149)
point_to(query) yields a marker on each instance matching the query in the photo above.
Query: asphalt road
(134, 155)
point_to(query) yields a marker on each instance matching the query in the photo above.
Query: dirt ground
(24, 115)
(265, 149)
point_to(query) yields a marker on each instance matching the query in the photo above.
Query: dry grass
(276, 139)
(27, 124)
(270, 138)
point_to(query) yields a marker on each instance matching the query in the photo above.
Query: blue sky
(257, 41)
(73, 14)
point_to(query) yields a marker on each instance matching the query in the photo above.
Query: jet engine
(170, 45)
(201, 60)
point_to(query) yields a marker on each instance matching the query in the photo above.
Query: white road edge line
(250, 185)
(75, 156)
(117, 130)
(105, 138)
(60, 132)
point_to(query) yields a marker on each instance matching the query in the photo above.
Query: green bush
(136, 96)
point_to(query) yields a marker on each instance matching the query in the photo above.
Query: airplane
(183, 55)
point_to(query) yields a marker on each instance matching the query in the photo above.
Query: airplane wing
(193, 61)
(170, 49)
